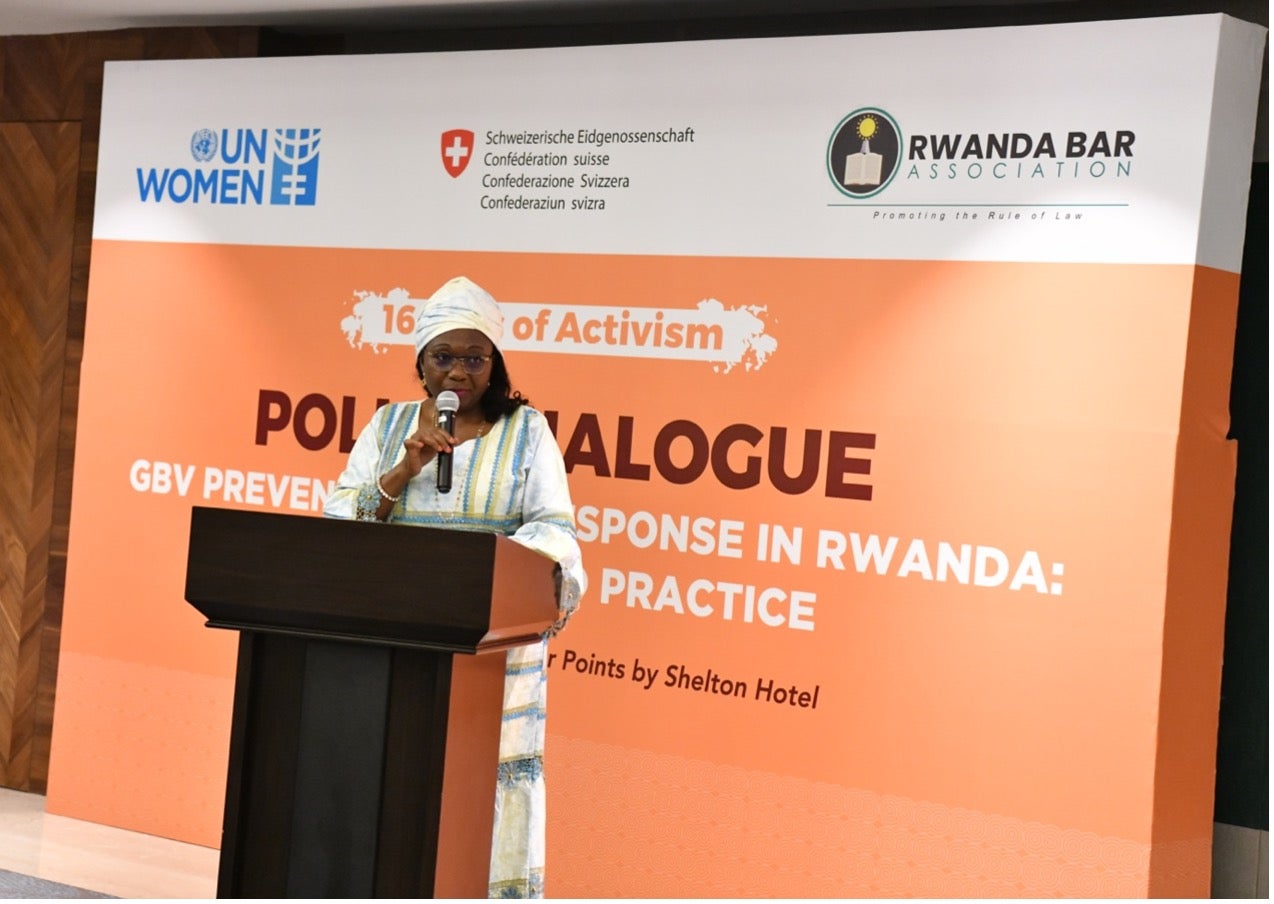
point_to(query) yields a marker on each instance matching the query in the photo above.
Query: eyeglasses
(472, 364)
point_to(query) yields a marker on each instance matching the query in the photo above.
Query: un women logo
(203, 145)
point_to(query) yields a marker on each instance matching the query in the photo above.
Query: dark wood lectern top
(457, 591)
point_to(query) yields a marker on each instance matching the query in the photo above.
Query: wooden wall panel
(50, 104)
(35, 247)
(43, 75)
(199, 43)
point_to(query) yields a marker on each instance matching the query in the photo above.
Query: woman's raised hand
(428, 440)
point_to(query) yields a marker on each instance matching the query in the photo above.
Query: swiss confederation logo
(457, 150)
(240, 167)
(864, 152)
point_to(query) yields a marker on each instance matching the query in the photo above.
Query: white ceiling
(18, 17)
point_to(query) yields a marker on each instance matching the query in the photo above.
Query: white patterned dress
(511, 481)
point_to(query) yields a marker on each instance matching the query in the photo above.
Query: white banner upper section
(1103, 142)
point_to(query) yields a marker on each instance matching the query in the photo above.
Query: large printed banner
(891, 376)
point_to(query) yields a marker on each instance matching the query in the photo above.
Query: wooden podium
(363, 751)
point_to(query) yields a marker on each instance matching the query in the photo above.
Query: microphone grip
(447, 421)
(444, 472)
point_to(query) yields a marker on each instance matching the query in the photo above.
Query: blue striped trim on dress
(521, 769)
(506, 458)
(530, 887)
(461, 522)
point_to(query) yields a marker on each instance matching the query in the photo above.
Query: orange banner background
(971, 739)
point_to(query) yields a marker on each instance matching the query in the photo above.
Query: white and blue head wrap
(460, 304)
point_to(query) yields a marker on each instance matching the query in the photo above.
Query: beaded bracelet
(383, 493)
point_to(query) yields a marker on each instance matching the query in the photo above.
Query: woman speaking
(497, 468)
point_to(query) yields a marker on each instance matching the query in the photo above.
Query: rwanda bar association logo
(239, 166)
(864, 152)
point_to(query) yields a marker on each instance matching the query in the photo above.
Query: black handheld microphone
(447, 403)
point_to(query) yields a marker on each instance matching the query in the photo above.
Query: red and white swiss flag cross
(457, 149)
